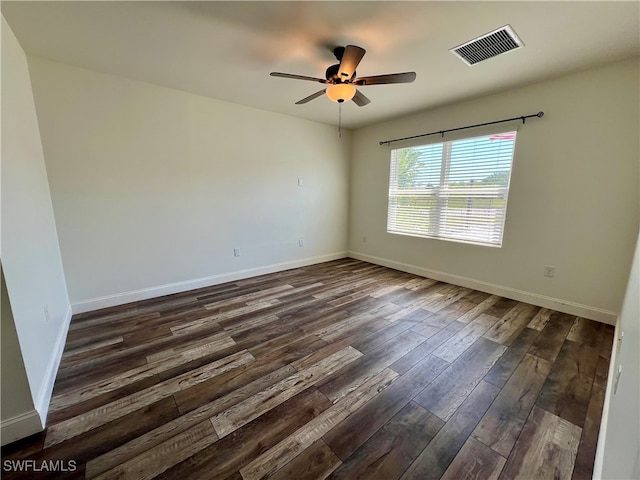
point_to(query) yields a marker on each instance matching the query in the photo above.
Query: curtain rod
(442, 132)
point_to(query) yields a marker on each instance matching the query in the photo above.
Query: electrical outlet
(299, 181)
(300, 243)
(549, 271)
(364, 239)
(47, 317)
(236, 252)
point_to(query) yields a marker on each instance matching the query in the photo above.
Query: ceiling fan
(341, 78)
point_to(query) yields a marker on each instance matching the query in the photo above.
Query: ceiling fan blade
(297, 77)
(360, 100)
(350, 60)
(311, 97)
(406, 77)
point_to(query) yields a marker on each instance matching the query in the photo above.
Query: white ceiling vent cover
(487, 46)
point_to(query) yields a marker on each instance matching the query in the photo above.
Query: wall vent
(487, 46)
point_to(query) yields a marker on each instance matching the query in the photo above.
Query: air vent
(487, 46)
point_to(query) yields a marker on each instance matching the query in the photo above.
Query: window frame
(435, 227)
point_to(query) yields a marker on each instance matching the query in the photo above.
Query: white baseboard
(20, 426)
(571, 308)
(44, 397)
(178, 287)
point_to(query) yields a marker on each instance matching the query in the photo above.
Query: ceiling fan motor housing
(332, 75)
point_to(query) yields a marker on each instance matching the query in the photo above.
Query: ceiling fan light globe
(341, 92)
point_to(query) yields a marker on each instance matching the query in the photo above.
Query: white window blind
(453, 190)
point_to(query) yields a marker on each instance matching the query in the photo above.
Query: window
(453, 190)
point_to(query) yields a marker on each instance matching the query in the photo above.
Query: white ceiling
(226, 50)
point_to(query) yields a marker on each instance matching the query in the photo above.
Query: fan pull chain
(340, 120)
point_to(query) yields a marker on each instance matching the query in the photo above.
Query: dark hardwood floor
(343, 370)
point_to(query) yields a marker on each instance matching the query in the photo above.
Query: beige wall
(15, 394)
(30, 253)
(153, 188)
(573, 202)
(618, 454)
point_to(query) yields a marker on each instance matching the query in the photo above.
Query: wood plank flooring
(342, 370)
